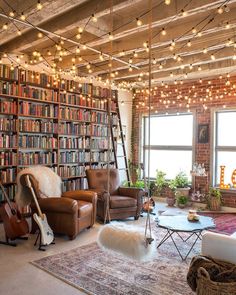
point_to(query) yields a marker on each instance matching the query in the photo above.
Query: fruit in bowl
(192, 216)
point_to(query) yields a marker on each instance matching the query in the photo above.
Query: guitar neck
(5, 196)
(34, 197)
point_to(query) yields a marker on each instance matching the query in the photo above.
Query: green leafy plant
(214, 195)
(161, 181)
(180, 181)
(182, 200)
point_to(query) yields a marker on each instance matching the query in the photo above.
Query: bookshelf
(60, 124)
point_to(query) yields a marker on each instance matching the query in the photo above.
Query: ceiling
(113, 46)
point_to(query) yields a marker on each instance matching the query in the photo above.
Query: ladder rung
(123, 169)
(121, 156)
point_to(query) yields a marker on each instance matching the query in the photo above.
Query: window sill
(229, 191)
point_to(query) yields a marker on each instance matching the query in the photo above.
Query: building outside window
(171, 144)
(224, 145)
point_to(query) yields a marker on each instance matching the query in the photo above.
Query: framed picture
(203, 133)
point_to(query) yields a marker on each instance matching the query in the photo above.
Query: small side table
(180, 224)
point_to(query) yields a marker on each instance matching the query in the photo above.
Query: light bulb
(88, 66)
(220, 10)
(80, 30)
(101, 57)
(110, 36)
(84, 47)
(19, 33)
(173, 43)
(194, 31)
(40, 35)
(94, 19)
(78, 36)
(22, 17)
(39, 5)
(167, 2)
(199, 68)
(5, 26)
(77, 50)
(227, 26)
(135, 54)
(163, 32)
(204, 50)
(189, 43)
(11, 13)
(213, 57)
(139, 22)
(154, 61)
(49, 52)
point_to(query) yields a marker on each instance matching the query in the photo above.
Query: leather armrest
(63, 205)
(132, 192)
(81, 195)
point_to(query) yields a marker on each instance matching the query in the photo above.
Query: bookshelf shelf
(62, 125)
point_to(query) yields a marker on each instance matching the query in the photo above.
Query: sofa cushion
(122, 202)
(84, 208)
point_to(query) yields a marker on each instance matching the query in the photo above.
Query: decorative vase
(170, 201)
(170, 196)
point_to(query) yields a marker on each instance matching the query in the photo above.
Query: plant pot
(170, 201)
(215, 204)
(181, 206)
(182, 191)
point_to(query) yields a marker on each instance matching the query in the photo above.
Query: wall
(200, 97)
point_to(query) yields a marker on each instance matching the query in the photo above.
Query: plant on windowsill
(182, 201)
(181, 184)
(214, 199)
(161, 183)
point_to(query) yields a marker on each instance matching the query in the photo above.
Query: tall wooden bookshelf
(60, 124)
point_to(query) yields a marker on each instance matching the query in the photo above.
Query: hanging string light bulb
(94, 19)
(22, 17)
(163, 32)
(139, 22)
(39, 5)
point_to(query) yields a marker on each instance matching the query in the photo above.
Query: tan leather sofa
(68, 214)
(122, 202)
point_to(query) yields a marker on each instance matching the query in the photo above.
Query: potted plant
(181, 183)
(169, 193)
(161, 182)
(182, 201)
(214, 199)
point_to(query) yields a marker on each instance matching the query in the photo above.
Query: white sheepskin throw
(126, 239)
(49, 184)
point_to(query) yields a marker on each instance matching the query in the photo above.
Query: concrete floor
(19, 277)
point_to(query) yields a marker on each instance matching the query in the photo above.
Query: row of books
(100, 92)
(29, 158)
(8, 107)
(9, 88)
(71, 128)
(74, 142)
(102, 165)
(37, 141)
(74, 157)
(40, 126)
(75, 114)
(7, 73)
(75, 184)
(69, 85)
(34, 109)
(10, 191)
(8, 175)
(98, 130)
(101, 156)
(98, 117)
(70, 171)
(7, 124)
(8, 141)
(38, 93)
(36, 78)
(101, 143)
(8, 158)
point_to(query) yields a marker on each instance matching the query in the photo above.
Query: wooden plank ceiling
(190, 38)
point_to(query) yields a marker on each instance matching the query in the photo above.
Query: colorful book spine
(10, 191)
(75, 114)
(39, 110)
(30, 158)
(40, 126)
(8, 175)
(98, 130)
(8, 107)
(7, 73)
(71, 128)
(71, 157)
(71, 171)
(8, 141)
(9, 88)
(38, 93)
(72, 142)
(97, 117)
(37, 141)
(7, 124)
(8, 158)
(75, 184)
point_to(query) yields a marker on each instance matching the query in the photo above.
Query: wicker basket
(205, 286)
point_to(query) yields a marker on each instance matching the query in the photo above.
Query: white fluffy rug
(126, 239)
(49, 183)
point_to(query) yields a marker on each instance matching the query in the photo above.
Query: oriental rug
(94, 271)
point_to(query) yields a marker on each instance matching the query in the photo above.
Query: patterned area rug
(225, 223)
(94, 271)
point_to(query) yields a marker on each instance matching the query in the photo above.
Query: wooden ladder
(122, 143)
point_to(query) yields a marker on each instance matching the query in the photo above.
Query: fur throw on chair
(49, 184)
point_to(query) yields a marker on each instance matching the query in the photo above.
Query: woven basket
(205, 286)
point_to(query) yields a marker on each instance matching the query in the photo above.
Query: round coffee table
(178, 224)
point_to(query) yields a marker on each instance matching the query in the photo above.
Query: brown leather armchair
(122, 202)
(68, 214)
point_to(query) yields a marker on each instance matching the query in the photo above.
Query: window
(170, 144)
(225, 145)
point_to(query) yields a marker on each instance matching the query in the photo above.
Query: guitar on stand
(15, 226)
(149, 203)
(45, 236)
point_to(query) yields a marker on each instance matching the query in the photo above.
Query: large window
(171, 140)
(225, 145)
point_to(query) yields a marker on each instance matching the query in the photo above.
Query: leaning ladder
(120, 134)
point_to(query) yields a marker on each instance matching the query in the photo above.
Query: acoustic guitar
(47, 236)
(14, 225)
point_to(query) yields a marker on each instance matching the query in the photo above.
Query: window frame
(217, 148)
(145, 147)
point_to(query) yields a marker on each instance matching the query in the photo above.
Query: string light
(110, 36)
(22, 17)
(19, 33)
(163, 32)
(213, 57)
(78, 36)
(5, 26)
(189, 44)
(220, 10)
(205, 50)
(11, 13)
(39, 5)
(167, 2)
(139, 22)
(194, 31)
(94, 19)
(40, 35)
(77, 49)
